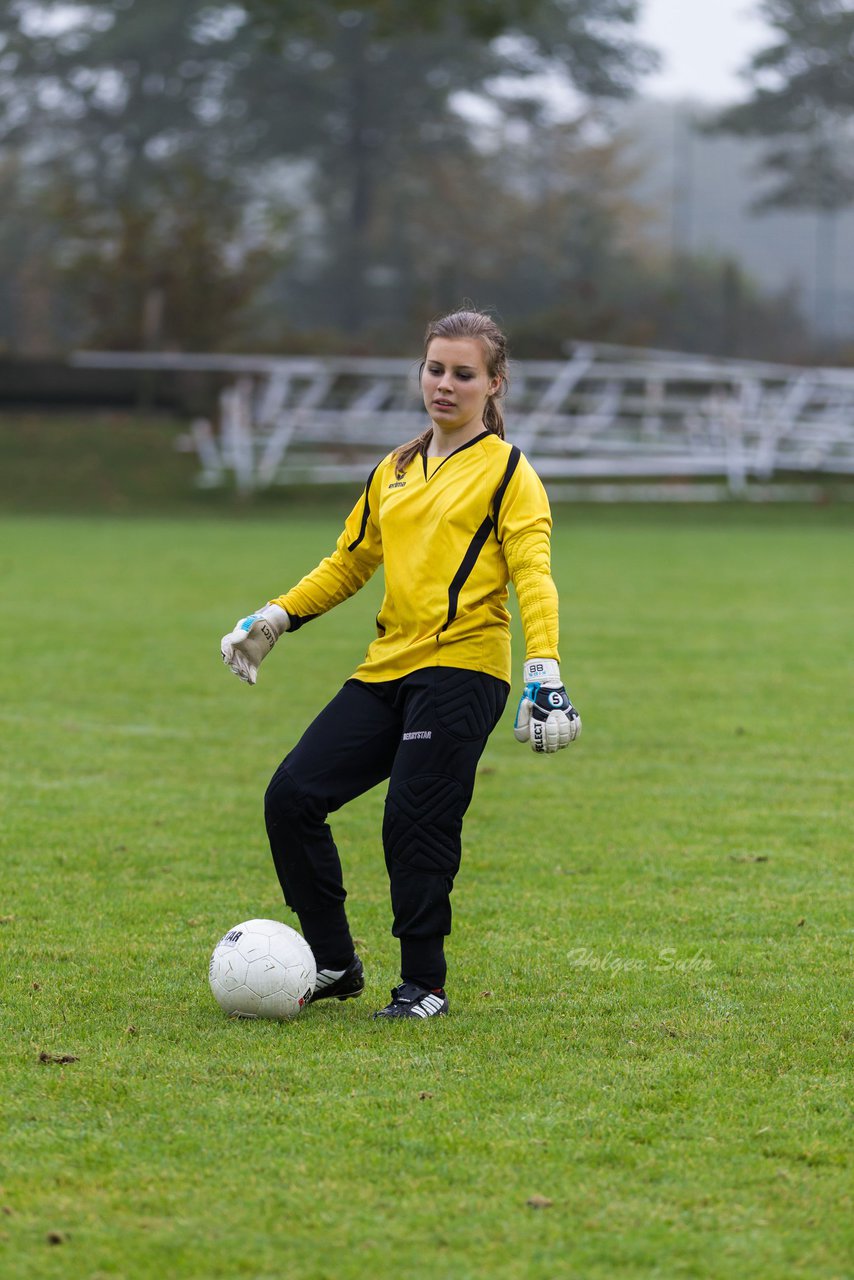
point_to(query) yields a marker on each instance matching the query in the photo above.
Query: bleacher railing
(606, 413)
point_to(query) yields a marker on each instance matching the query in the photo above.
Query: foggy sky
(703, 43)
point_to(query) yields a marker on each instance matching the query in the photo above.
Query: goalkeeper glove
(545, 716)
(246, 647)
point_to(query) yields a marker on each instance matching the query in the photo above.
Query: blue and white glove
(545, 716)
(246, 647)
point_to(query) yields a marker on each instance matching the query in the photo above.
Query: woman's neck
(445, 442)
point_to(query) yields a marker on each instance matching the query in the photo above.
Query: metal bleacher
(606, 413)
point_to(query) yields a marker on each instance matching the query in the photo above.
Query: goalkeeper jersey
(450, 533)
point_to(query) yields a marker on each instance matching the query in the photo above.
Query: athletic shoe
(411, 1001)
(350, 983)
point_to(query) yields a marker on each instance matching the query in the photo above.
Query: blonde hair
(465, 324)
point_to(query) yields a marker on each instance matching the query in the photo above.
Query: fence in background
(605, 414)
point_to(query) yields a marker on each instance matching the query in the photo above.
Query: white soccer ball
(262, 969)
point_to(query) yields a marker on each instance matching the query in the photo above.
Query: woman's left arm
(524, 525)
(528, 558)
(545, 717)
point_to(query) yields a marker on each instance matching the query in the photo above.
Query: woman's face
(455, 382)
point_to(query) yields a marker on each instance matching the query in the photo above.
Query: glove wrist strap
(540, 670)
(277, 618)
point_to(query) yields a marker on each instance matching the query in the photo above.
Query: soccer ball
(262, 969)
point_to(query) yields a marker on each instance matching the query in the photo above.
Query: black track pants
(425, 733)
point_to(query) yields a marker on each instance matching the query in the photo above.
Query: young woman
(452, 516)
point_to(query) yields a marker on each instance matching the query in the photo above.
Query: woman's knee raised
(284, 801)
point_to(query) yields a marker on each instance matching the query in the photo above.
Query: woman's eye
(436, 371)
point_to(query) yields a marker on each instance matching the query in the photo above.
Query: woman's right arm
(357, 555)
(340, 575)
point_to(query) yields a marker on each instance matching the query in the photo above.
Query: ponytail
(406, 452)
(493, 415)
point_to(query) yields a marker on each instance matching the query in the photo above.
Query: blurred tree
(589, 44)
(384, 76)
(710, 305)
(134, 105)
(133, 154)
(535, 213)
(190, 168)
(153, 277)
(803, 94)
(690, 304)
(803, 97)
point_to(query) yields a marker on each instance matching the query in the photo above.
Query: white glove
(246, 647)
(545, 716)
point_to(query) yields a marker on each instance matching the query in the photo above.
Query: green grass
(118, 463)
(109, 462)
(678, 1097)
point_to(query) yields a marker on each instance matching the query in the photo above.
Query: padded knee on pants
(422, 825)
(284, 801)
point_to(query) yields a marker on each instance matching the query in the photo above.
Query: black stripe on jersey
(478, 542)
(467, 563)
(512, 464)
(365, 513)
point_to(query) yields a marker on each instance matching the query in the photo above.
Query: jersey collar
(467, 445)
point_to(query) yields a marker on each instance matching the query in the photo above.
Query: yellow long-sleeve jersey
(451, 532)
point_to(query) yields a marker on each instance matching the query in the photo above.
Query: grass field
(650, 968)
